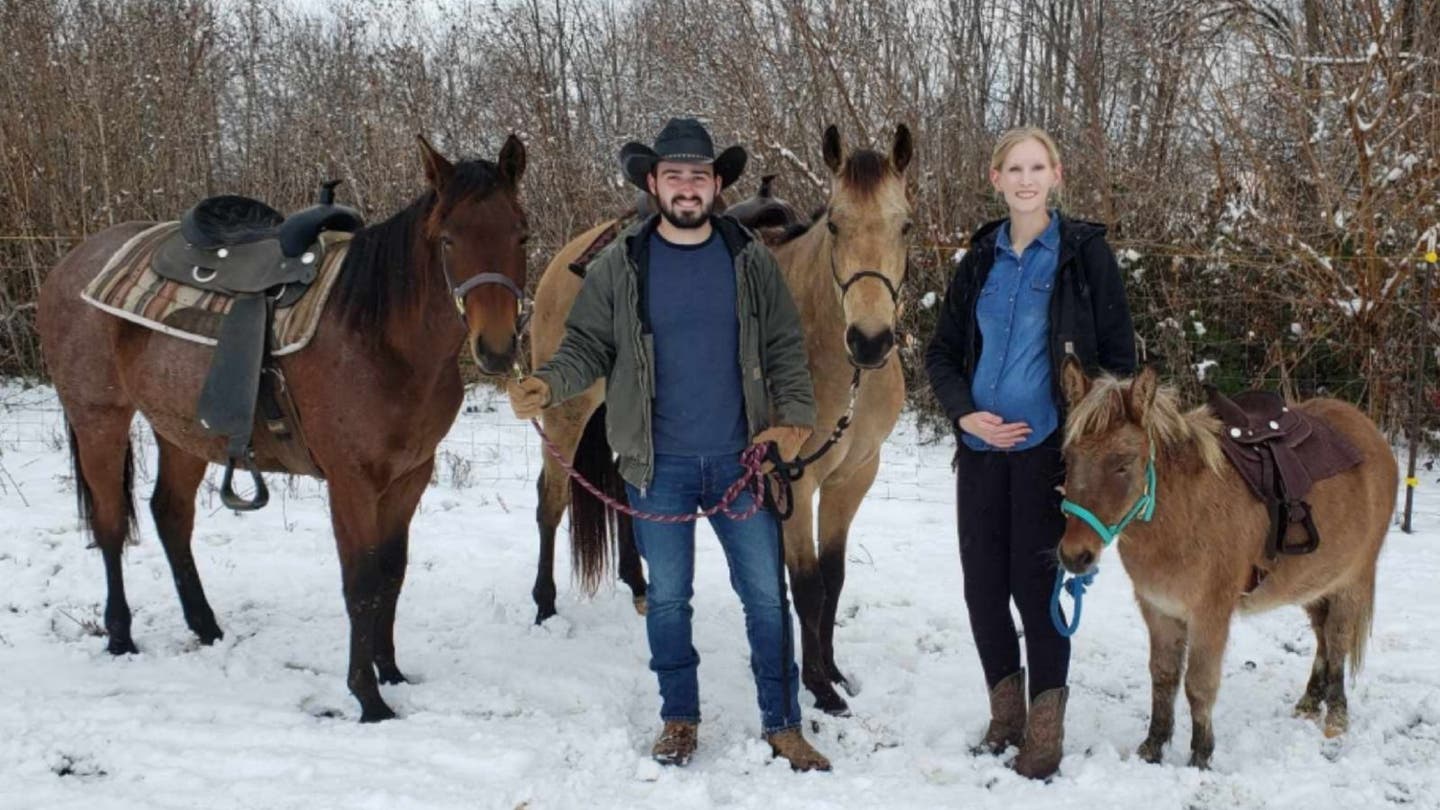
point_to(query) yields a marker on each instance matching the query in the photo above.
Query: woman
(1033, 288)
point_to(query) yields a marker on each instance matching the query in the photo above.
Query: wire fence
(486, 449)
(1210, 338)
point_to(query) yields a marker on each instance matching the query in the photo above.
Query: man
(688, 318)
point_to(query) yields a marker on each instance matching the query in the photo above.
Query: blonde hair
(1018, 135)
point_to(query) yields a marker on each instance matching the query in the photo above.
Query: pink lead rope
(752, 481)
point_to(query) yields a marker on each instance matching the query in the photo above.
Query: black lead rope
(791, 471)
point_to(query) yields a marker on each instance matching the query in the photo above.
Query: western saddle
(1280, 453)
(263, 261)
(764, 211)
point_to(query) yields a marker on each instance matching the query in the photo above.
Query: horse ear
(1142, 394)
(903, 149)
(834, 158)
(438, 170)
(512, 161)
(1073, 381)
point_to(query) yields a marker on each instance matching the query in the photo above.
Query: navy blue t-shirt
(691, 300)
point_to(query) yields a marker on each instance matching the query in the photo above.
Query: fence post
(1428, 268)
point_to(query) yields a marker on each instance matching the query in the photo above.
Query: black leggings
(1010, 523)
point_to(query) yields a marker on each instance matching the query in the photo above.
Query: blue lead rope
(1143, 509)
(1076, 586)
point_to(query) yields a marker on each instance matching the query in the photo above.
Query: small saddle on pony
(1281, 453)
(245, 249)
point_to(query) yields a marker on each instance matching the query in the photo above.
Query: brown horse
(376, 390)
(1194, 563)
(844, 272)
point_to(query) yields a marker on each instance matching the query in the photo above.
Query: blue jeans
(680, 485)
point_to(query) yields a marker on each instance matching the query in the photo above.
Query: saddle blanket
(128, 288)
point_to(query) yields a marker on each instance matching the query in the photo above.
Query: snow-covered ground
(504, 714)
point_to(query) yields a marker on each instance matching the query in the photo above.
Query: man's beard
(688, 219)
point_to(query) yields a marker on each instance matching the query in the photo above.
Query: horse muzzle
(1076, 555)
(494, 362)
(869, 351)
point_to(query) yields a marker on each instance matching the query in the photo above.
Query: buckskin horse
(1209, 546)
(376, 390)
(844, 271)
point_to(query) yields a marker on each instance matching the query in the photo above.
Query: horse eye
(524, 238)
(905, 229)
(833, 228)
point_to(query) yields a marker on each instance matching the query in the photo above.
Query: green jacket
(607, 335)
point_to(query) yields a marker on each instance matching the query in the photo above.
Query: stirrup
(233, 500)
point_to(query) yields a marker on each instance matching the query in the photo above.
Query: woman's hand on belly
(993, 430)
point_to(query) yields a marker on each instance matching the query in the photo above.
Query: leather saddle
(244, 249)
(762, 212)
(765, 210)
(236, 245)
(1281, 453)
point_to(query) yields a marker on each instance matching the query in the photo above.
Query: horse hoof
(391, 675)
(832, 704)
(1200, 761)
(850, 686)
(209, 635)
(641, 606)
(1151, 752)
(121, 646)
(377, 714)
(1336, 724)
(542, 614)
(1307, 709)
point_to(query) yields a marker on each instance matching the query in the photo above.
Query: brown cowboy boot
(791, 745)
(1007, 716)
(676, 743)
(1044, 744)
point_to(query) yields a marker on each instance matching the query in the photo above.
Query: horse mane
(373, 278)
(1103, 409)
(376, 277)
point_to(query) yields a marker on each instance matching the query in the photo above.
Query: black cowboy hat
(683, 140)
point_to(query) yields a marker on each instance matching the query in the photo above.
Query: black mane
(377, 277)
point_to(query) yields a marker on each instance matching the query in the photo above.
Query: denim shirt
(1012, 377)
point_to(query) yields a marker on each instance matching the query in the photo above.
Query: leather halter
(523, 303)
(850, 282)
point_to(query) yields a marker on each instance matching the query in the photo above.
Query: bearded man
(689, 321)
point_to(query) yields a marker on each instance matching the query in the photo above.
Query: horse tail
(1361, 599)
(85, 497)
(594, 527)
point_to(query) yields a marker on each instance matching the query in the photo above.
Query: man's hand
(788, 441)
(993, 430)
(528, 397)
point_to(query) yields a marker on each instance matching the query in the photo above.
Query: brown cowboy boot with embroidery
(1044, 744)
(1007, 716)
(791, 745)
(676, 743)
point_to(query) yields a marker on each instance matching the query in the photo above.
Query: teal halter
(1143, 509)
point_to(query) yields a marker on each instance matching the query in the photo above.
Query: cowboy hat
(683, 140)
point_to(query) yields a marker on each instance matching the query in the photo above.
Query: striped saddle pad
(128, 288)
